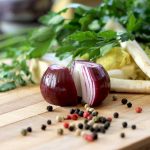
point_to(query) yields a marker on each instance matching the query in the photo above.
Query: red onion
(57, 86)
(91, 81)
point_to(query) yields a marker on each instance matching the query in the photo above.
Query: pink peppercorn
(66, 125)
(138, 109)
(68, 117)
(109, 119)
(74, 116)
(88, 137)
(89, 117)
(86, 114)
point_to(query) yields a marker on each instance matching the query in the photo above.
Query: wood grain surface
(25, 107)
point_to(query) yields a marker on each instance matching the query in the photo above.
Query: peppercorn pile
(90, 123)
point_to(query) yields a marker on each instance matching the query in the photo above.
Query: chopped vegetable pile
(83, 36)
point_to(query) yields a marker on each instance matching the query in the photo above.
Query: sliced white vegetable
(130, 86)
(133, 48)
(117, 73)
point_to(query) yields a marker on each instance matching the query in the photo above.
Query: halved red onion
(57, 86)
(91, 80)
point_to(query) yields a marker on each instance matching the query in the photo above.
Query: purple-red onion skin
(102, 86)
(57, 86)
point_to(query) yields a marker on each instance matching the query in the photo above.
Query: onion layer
(91, 81)
(57, 86)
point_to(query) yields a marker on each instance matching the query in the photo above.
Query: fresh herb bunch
(82, 34)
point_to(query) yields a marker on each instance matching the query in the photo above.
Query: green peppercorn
(114, 97)
(24, 132)
(60, 131)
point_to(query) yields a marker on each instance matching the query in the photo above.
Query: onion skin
(57, 86)
(94, 80)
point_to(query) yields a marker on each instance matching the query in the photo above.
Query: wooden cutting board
(25, 107)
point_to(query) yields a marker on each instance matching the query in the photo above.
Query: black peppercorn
(106, 125)
(77, 111)
(92, 129)
(85, 121)
(50, 108)
(49, 122)
(86, 126)
(124, 124)
(97, 129)
(122, 135)
(43, 127)
(129, 105)
(81, 113)
(71, 128)
(80, 126)
(95, 136)
(94, 113)
(72, 111)
(24, 132)
(133, 127)
(29, 129)
(103, 120)
(124, 101)
(114, 97)
(116, 115)
(102, 130)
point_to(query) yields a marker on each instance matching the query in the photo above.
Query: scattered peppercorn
(92, 129)
(95, 136)
(29, 129)
(116, 115)
(66, 125)
(77, 111)
(60, 131)
(102, 130)
(86, 105)
(80, 126)
(122, 135)
(85, 121)
(86, 126)
(114, 97)
(89, 117)
(138, 109)
(43, 127)
(78, 132)
(68, 117)
(59, 118)
(109, 119)
(94, 113)
(71, 128)
(50, 108)
(86, 114)
(124, 101)
(72, 111)
(24, 132)
(124, 124)
(49, 122)
(74, 116)
(91, 110)
(106, 125)
(103, 120)
(81, 113)
(129, 104)
(133, 127)
(88, 137)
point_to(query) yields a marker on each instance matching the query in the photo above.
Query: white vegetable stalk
(130, 86)
(133, 48)
(117, 73)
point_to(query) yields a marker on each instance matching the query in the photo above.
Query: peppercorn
(124, 101)
(106, 125)
(85, 121)
(114, 97)
(80, 126)
(72, 128)
(102, 130)
(94, 113)
(86, 126)
(88, 137)
(91, 122)
(60, 131)
(122, 135)
(43, 127)
(66, 125)
(116, 115)
(109, 119)
(91, 110)
(96, 119)
(24, 132)
(72, 111)
(129, 105)
(77, 111)
(81, 113)
(95, 136)
(124, 124)
(103, 120)
(59, 118)
(89, 117)
(83, 133)
(49, 122)
(68, 117)
(97, 129)
(86, 114)
(29, 129)
(138, 109)
(133, 127)
(92, 129)
(86, 105)
(78, 132)
(50, 108)
(74, 116)
(87, 109)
